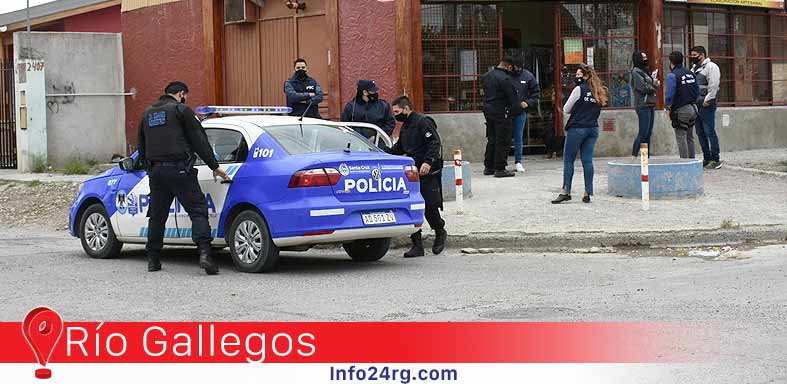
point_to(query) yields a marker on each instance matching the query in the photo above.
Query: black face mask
(183, 100)
(579, 80)
(301, 73)
(373, 97)
(695, 60)
(401, 117)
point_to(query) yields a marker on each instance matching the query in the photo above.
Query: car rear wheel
(367, 249)
(95, 231)
(250, 242)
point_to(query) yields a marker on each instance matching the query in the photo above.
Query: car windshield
(315, 138)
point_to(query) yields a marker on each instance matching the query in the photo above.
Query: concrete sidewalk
(737, 206)
(14, 175)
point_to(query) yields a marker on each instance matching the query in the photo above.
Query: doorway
(529, 37)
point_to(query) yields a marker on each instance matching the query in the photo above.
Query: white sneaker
(519, 167)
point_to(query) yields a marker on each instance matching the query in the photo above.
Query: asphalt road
(741, 302)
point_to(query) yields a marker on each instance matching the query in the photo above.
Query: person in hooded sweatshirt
(367, 107)
(644, 86)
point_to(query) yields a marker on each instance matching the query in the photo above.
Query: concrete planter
(676, 179)
(449, 181)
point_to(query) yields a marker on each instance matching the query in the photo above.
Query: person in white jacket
(708, 76)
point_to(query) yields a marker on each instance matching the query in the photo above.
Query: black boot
(439, 241)
(154, 264)
(418, 246)
(206, 261)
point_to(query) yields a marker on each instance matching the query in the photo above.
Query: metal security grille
(461, 41)
(603, 35)
(7, 117)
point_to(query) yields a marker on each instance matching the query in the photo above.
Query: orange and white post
(643, 160)
(460, 209)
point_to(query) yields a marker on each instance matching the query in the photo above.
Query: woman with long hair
(644, 88)
(584, 105)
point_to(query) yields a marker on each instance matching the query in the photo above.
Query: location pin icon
(42, 329)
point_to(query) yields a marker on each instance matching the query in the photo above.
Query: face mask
(579, 80)
(401, 117)
(695, 60)
(301, 73)
(373, 97)
(183, 100)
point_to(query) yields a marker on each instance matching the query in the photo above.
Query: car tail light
(411, 172)
(320, 177)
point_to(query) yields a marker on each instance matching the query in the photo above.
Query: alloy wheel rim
(248, 242)
(96, 232)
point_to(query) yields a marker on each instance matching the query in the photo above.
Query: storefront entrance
(463, 40)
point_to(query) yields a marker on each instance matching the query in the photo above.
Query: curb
(755, 170)
(570, 240)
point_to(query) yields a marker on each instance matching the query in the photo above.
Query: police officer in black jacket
(303, 92)
(419, 140)
(501, 103)
(367, 107)
(169, 136)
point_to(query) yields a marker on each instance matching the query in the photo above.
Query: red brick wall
(102, 20)
(367, 46)
(161, 44)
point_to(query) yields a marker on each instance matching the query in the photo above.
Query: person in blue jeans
(528, 92)
(644, 85)
(584, 107)
(708, 77)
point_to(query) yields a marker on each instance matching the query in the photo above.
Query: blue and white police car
(296, 182)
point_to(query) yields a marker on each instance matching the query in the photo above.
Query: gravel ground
(774, 160)
(35, 204)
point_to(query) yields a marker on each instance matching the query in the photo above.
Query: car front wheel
(95, 231)
(367, 249)
(250, 242)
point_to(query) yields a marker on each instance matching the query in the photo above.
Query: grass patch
(38, 163)
(75, 165)
(729, 224)
(35, 183)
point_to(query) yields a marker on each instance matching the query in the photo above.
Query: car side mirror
(127, 164)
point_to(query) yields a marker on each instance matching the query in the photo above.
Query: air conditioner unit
(241, 11)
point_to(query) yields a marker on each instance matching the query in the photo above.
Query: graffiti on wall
(54, 102)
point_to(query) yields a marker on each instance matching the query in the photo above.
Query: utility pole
(29, 36)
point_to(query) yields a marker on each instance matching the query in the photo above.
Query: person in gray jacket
(644, 98)
(708, 77)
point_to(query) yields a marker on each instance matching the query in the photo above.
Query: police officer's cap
(175, 87)
(367, 85)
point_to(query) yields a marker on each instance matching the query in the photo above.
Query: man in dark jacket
(501, 103)
(169, 136)
(528, 91)
(303, 92)
(367, 107)
(419, 140)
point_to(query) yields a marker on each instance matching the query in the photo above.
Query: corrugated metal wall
(242, 64)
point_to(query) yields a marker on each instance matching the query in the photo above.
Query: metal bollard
(458, 174)
(643, 160)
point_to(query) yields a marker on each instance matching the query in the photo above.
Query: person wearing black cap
(303, 92)
(501, 103)
(169, 136)
(420, 141)
(367, 107)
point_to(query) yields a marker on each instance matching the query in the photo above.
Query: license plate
(378, 218)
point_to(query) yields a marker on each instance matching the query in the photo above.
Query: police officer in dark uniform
(367, 107)
(169, 136)
(304, 94)
(501, 103)
(419, 140)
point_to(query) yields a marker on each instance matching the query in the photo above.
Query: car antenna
(306, 111)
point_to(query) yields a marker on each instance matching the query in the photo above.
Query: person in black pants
(501, 103)
(169, 135)
(419, 140)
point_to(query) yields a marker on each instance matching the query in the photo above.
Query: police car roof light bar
(242, 110)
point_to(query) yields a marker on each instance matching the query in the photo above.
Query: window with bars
(749, 46)
(604, 36)
(460, 43)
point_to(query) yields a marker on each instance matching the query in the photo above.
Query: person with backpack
(420, 141)
(682, 92)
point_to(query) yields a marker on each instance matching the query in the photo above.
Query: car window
(315, 138)
(228, 146)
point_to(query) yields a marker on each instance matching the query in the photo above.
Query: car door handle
(226, 181)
